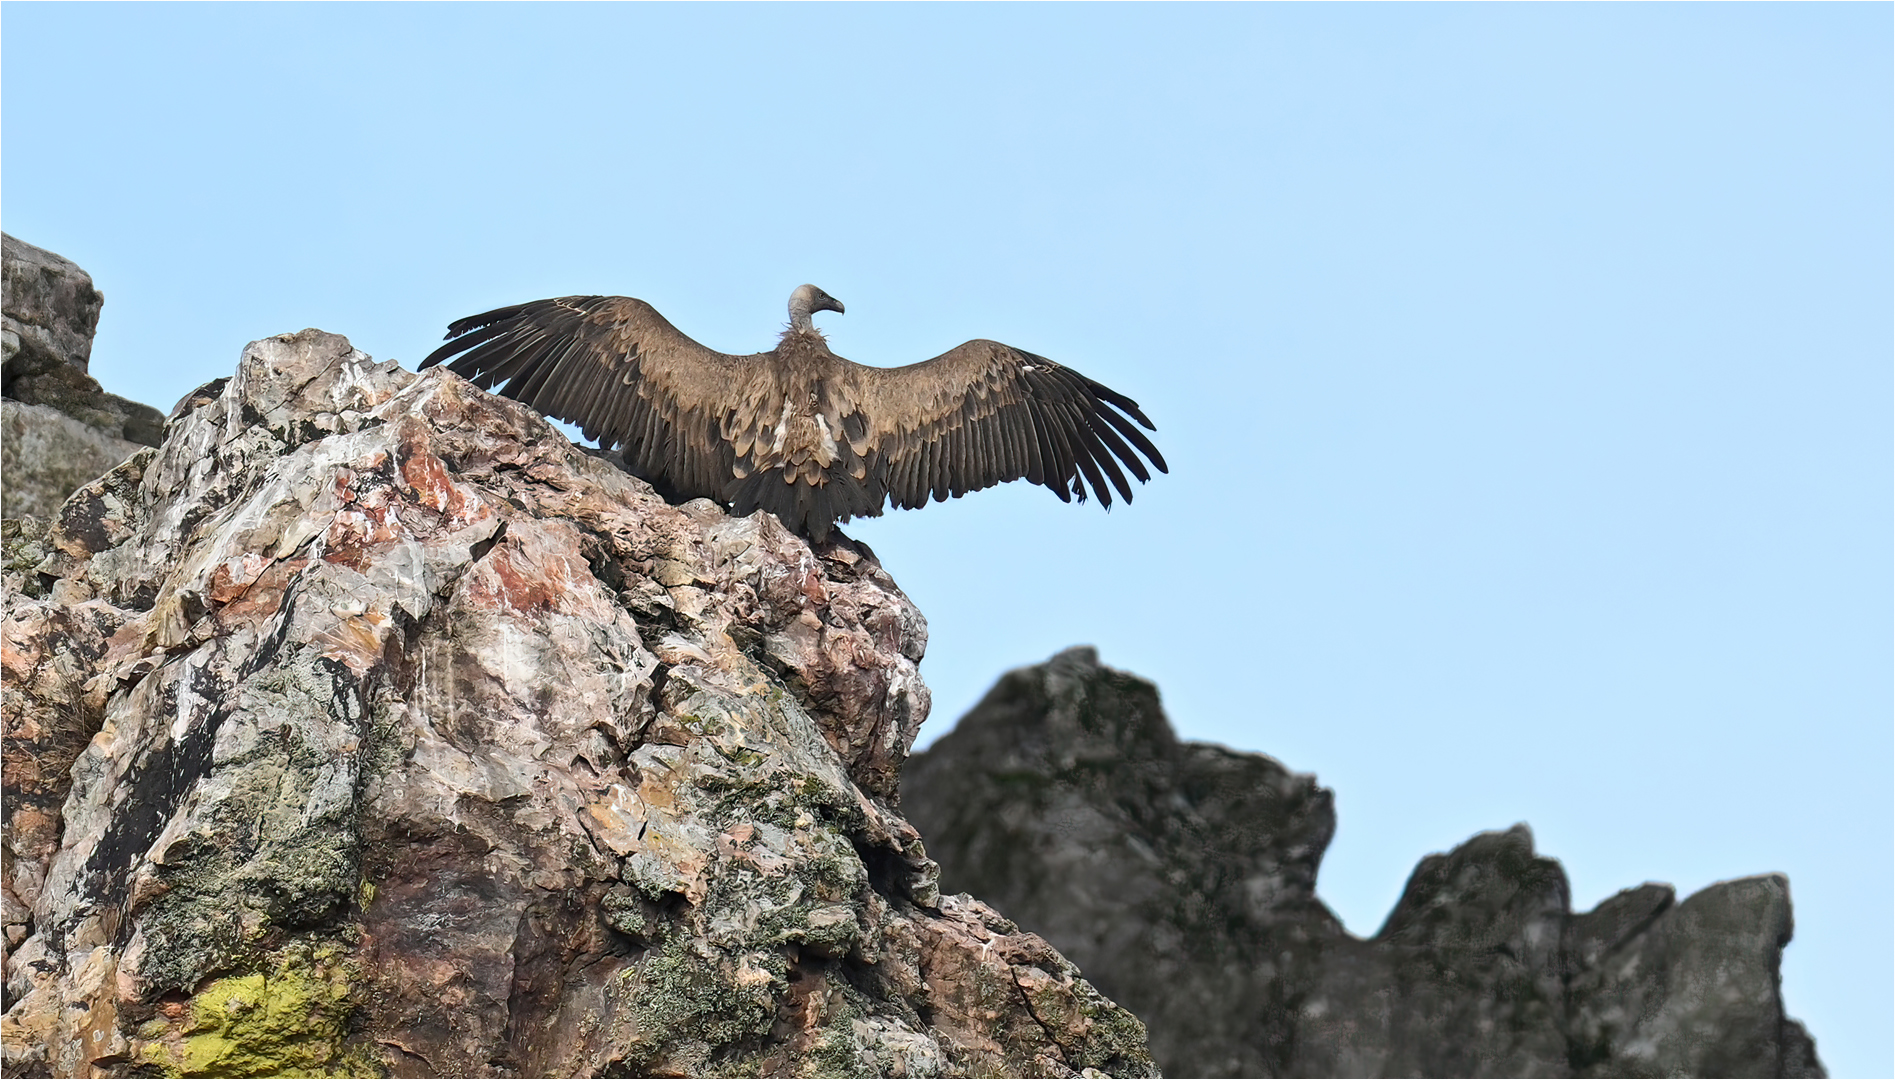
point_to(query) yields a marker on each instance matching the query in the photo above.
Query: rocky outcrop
(1181, 877)
(58, 428)
(51, 308)
(366, 726)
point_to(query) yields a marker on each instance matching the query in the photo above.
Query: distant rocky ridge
(58, 428)
(1181, 877)
(368, 727)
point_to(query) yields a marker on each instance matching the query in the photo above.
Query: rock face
(51, 307)
(58, 428)
(367, 726)
(1181, 877)
(47, 455)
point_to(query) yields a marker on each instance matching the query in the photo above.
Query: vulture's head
(808, 299)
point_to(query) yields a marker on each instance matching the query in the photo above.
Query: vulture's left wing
(985, 413)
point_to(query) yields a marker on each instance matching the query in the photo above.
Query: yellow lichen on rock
(287, 1022)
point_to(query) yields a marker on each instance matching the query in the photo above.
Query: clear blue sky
(1524, 371)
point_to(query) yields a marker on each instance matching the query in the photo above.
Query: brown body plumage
(799, 431)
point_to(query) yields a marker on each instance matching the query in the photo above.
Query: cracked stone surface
(1181, 877)
(368, 727)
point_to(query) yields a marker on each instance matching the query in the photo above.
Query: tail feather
(811, 509)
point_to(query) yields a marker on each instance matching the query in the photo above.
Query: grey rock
(50, 308)
(48, 455)
(1694, 992)
(62, 429)
(1181, 877)
(368, 727)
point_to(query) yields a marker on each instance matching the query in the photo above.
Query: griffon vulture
(799, 431)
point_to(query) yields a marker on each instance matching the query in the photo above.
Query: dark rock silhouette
(1181, 877)
(367, 726)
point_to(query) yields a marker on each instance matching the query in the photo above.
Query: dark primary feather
(800, 431)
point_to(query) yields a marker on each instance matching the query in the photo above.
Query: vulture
(799, 431)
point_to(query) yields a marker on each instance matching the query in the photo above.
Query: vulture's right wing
(622, 373)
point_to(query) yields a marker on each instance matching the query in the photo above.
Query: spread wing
(985, 413)
(623, 374)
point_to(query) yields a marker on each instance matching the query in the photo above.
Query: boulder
(368, 727)
(58, 428)
(51, 308)
(1182, 878)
